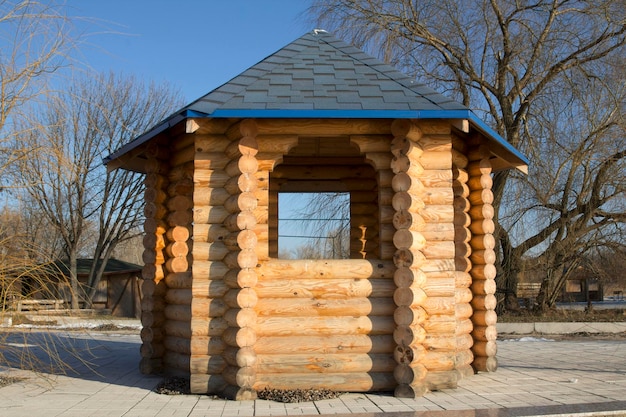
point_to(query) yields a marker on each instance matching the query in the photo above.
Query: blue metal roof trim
(363, 114)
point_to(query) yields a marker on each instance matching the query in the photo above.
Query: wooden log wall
(153, 287)
(462, 278)
(177, 252)
(373, 238)
(325, 324)
(410, 315)
(209, 270)
(241, 260)
(483, 258)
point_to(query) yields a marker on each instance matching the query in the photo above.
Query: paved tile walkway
(536, 377)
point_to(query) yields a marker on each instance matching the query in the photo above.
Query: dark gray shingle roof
(320, 72)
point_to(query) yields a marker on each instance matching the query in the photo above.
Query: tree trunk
(74, 280)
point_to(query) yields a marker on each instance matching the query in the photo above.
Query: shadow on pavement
(109, 358)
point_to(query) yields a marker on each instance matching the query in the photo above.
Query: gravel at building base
(180, 386)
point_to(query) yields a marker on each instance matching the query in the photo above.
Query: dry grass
(564, 316)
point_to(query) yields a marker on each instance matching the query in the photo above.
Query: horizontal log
(207, 307)
(487, 271)
(154, 195)
(331, 344)
(325, 289)
(209, 288)
(439, 287)
(484, 318)
(484, 302)
(479, 167)
(316, 326)
(240, 337)
(151, 335)
(439, 250)
(152, 350)
(406, 167)
(439, 196)
(405, 128)
(347, 382)
(415, 390)
(210, 143)
(209, 214)
(482, 226)
(241, 278)
(485, 364)
(404, 182)
(304, 307)
(323, 127)
(325, 269)
(371, 143)
(152, 318)
(438, 213)
(242, 221)
(155, 226)
(245, 201)
(405, 316)
(409, 297)
(405, 219)
(409, 335)
(152, 304)
(483, 286)
(439, 380)
(462, 295)
(207, 196)
(324, 363)
(436, 160)
(408, 239)
(210, 178)
(150, 288)
(240, 378)
(408, 258)
(485, 333)
(245, 164)
(442, 324)
(240, 357)
(204, 251)
(480, 182)
(241, 298)
(482, 242)
(246, 258)
(484, 211)
(481, 196)
(379, 160)
(178, 296)
(244, 239)
(182, 187)
(209, 270)
(201, 383)
(484, 348)
(149, 366)
(154, 210)
(404, 200)
(175, 249)
(198, 345)
(407, 277)
(241, 317)
(439, 360)
(196, 364)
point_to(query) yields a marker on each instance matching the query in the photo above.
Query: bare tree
(510, 61)
(35, 40)
(74, 131)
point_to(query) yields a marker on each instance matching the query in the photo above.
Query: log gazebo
(412, 310)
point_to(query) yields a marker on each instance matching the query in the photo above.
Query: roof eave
(514, 157)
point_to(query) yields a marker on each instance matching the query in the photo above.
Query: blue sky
(195, 45)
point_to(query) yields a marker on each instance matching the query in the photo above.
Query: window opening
(314, 225)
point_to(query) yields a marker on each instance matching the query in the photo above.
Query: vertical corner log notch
(462, 293)
(153, 287)
(409, 335)
(241, 261)
(206, 363)
(483, 258)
